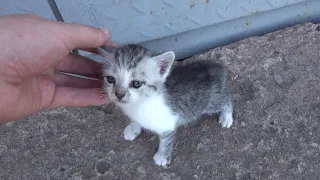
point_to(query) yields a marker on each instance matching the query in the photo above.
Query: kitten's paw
(226, 120)
(161, 160)
(131, 131)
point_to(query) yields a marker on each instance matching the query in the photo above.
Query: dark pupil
(111, 79)
(136, 84)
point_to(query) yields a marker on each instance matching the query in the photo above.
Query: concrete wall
(184, 26)
(38, 7)
(140, 20)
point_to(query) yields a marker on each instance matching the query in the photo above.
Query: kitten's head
(132, 72)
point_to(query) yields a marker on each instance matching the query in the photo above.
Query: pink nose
(120, 95)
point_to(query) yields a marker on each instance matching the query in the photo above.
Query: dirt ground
(275, 79)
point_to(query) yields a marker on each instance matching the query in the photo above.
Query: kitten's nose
(120, 95)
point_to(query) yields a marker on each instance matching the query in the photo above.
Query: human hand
(32, 51)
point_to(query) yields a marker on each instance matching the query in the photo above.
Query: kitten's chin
(121, 102)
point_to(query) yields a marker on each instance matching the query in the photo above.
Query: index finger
(75, 97)
(78, 36)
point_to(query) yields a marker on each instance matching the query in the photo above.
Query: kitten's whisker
(103, 95)
(101, 89)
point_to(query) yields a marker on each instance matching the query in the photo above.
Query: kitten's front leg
(164, 153)
(132, 131)
(225, 118)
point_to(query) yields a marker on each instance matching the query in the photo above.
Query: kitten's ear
(164, 62)
(107, 54)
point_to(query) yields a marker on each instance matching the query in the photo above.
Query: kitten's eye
(136, 84)
(111, 79)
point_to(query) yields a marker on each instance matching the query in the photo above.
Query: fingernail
(106, 31)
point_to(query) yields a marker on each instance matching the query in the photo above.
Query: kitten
(160, 96)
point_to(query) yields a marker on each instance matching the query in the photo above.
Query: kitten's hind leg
(132, 131)
(164, 153)
(225, 118)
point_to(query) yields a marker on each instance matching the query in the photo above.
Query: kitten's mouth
(121, 101)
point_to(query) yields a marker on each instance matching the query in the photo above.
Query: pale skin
(33, 52)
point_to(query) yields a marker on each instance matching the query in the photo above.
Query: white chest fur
(153, 114)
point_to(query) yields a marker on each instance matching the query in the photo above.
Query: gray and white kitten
(160, 96)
